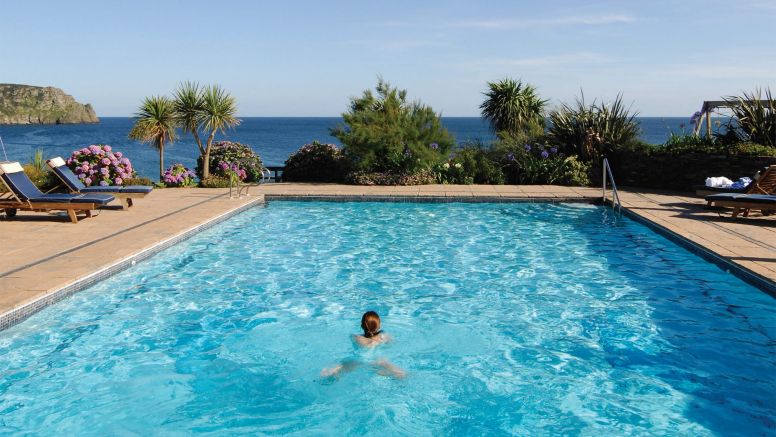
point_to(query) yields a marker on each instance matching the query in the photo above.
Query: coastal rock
(25, 104)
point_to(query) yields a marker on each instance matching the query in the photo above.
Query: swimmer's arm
(385, 368)
(332, 371)
(344, 367)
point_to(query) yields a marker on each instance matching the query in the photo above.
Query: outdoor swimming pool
(531, 319)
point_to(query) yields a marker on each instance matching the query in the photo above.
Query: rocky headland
(25, 104)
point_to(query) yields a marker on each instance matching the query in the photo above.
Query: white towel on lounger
(718, 182)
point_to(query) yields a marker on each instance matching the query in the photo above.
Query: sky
(307, 58)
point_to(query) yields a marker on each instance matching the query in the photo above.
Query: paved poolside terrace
(46, 258)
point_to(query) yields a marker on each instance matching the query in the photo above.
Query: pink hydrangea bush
(233, 170)
(98, 164)
(179, 176)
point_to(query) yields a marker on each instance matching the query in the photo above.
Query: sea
(273, 138)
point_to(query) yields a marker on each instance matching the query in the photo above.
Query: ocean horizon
(273, 138)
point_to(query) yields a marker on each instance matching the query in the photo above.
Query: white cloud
(717, 71)
(763, 4)
(583, 20)
(554, 60)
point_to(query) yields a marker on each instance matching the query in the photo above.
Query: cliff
(25, 104)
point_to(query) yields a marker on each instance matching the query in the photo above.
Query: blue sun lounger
(25, 196)
(744, 202)
(71, 181)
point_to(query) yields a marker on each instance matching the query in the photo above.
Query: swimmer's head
(370, 323)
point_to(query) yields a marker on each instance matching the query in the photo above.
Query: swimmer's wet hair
(370, 323)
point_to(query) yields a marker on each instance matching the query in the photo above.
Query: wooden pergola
(708, 107)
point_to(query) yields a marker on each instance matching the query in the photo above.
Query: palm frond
(511, 106)
(188, 104)
(219, 109)
(155, 121)
(593, 129)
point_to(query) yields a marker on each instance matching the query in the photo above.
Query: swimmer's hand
(336, 371)
(332, 371)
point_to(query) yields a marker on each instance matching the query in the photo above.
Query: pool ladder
(615, 196)
(241, 189)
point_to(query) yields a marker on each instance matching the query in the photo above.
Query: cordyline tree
(207, 109)
(194, 109)
(384, 132)
(155, 123)
(513, 108)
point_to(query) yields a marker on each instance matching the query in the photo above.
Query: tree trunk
(206, 158)
(199, 141)
(161, 161)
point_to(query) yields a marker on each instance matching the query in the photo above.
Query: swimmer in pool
(373, 336)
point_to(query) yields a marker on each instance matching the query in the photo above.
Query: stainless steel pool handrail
(607, 170)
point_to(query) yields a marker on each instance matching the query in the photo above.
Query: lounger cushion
(722, 190)
(10, 167)
(21, 185)
(765, 199)
(118, 189)
(71, 180)
(145, 189)
(65, 174)
(98, 199)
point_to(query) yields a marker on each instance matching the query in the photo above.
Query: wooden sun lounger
(25, 196)
(125, 195)
(11, 206)
(764, 184)
(744, 203)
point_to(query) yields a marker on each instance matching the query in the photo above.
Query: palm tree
(218, 114)
(513, 107)
(188, 103)
(155, 123)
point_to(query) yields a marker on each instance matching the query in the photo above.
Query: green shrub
(679, 144)
(473, 164)
(44, 179)
(38, 172)
(541, 164)
(575, 173)
(316, 162)
(752, 149)
(214, 182)
(594, 130)
(420, 177)
(138, 181)
(225, 155)
(640, 147)
(384, 133)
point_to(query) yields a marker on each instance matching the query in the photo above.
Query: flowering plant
(542, 164)
(233, 171)
(98, 164)
(453, 172)
(226, 154)
(316, 162)
(179, 176)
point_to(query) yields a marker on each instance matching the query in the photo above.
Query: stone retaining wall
(683, 172)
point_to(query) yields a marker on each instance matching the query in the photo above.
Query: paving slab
(46, 252)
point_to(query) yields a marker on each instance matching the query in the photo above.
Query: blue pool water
(528, 319)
